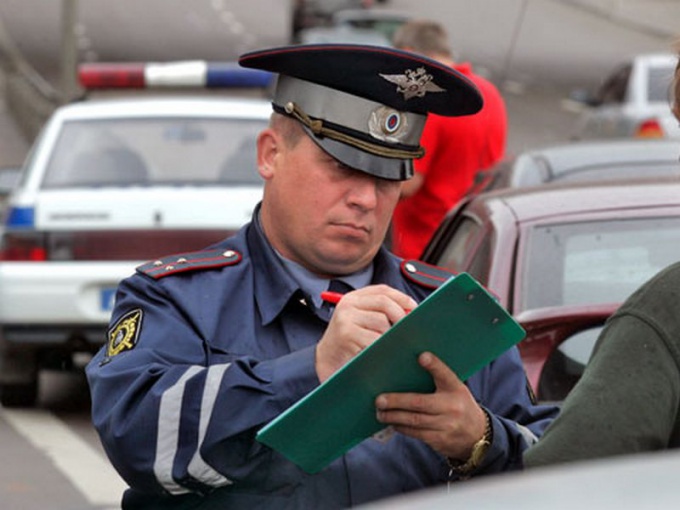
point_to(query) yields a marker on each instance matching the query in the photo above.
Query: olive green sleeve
(627, 400)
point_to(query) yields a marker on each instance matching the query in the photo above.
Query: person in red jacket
(456, 148)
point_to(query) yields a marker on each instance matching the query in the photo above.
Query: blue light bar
(21, 217)
(232, 75)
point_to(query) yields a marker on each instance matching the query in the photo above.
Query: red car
(561, 259)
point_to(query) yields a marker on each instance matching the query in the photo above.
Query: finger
(356, 314)
(444, 378)
(422, 403)
(402, 419)
(404, 301)
(375, 313)
(382, 298)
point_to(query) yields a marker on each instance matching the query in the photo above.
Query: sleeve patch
(424, 274)
(194, 261)
(123, 335)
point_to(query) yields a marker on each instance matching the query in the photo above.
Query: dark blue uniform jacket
(206, 348)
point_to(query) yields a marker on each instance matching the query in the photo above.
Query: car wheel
(19, 395)
(19, 370)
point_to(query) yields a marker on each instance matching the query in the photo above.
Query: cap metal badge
(413, 83)
(388, 124)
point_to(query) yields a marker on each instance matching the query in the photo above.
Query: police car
(633, 101)
(109, 184)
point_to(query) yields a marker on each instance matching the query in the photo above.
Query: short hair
(423, 36)
(290, 129)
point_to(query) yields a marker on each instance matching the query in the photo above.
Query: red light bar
(111, 76)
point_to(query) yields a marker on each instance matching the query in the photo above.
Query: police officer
(206, 348)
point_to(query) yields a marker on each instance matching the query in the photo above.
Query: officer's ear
(267, 150)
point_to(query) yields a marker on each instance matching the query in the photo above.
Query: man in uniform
(206, 348)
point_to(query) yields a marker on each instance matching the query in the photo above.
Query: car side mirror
(585, 98)
(558, 345)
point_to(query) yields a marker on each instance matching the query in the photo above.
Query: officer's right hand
(359, 319)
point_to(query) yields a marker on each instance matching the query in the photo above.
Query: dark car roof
(539, 202)
(508, 208)
(613, 151)
(589, 161)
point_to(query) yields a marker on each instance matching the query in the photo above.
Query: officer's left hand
(449, 420)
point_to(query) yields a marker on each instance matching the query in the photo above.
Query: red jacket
(456, 148)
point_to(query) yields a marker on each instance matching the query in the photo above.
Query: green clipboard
(460, 322)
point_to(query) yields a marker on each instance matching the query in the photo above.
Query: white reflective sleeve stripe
(169, 416)
(528, 436)
(198, 467)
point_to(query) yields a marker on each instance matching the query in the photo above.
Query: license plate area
(107, 297)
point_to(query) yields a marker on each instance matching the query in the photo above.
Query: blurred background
(543, 55)
(539, 52)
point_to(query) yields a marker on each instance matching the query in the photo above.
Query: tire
(19, 395)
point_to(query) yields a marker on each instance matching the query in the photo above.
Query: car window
(480, 262)
(595, 262)
(659, 83)
(154, 151)
(386, 26)
(565, 366)
(613, 90)
(467, 250)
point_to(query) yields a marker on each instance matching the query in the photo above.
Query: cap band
(318, 128)
(359, 122)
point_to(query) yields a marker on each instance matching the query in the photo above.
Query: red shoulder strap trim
(193, 261)
(425, 274)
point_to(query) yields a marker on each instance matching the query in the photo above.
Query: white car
(356, 26)
(633, 101)
(109, 185)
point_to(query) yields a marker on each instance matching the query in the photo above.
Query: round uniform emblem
(388, 124)
(392, 123)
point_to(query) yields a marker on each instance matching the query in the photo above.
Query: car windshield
(386, 26)
(595, 262)
(155, 151)
(659, 84)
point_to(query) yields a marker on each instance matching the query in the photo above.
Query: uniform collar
(274, 286)
(312, 285)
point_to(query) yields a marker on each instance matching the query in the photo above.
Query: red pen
(331, 297)
(335, 297)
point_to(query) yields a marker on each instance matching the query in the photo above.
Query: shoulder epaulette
(425, 274)
(193, 261)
